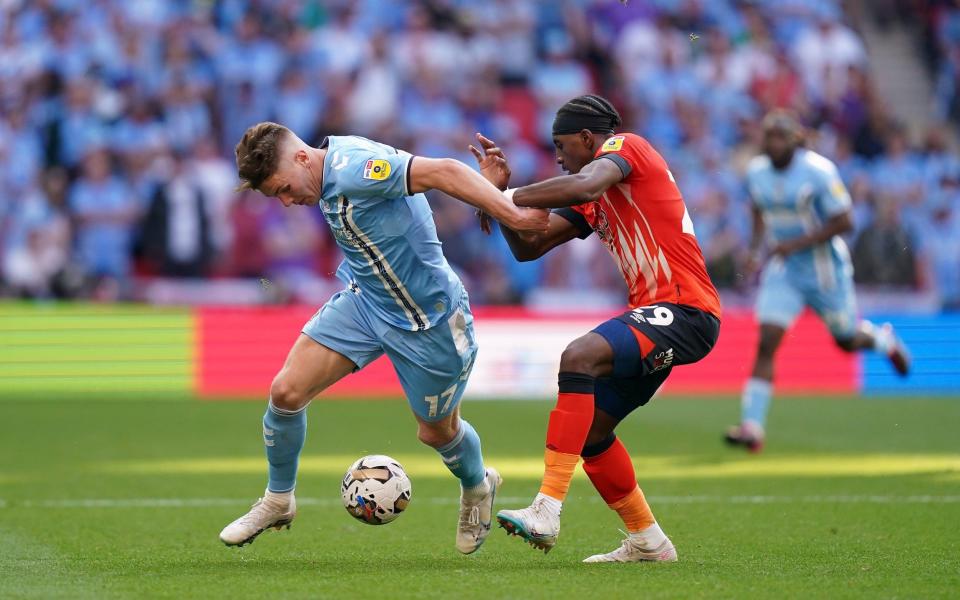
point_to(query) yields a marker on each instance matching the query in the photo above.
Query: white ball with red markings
(375, 489)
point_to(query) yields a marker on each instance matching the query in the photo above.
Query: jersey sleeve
(374, 173)
(832, 196)
(576, 219)
(620, 150)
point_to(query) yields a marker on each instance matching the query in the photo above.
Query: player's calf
(458, 444)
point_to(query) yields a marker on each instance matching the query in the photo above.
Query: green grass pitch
(122, 498)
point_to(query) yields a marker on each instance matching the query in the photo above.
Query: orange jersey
(645, 225)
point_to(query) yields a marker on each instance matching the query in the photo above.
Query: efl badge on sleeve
(614, 144)
(376, 169)
(837, 189)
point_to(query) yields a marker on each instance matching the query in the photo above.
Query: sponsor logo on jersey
(663, 360)
(614, 144)
(376, 169)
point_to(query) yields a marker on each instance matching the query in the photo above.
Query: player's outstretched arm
(837, 225)
(460, 181)
(570, 190)
(495, 169)
(533, 246)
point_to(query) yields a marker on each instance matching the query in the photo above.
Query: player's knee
(286, 396)
(598, 440)
(436, 435)
(578, 357)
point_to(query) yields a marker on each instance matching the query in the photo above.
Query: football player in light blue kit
(801, 203)
(401, 299)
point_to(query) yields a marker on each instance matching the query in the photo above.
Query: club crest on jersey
(376, 169)
(602, 227)
(614, 144)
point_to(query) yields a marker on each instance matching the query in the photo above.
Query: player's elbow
(434, 174)
(536, 246)
(449, 167)
(525, 248)
(584, 189)
(527, 254)
(449, 172)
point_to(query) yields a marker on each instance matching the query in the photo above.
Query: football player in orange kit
(619, 187)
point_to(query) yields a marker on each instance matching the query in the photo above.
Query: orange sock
(566, 432)
(558, 472)
(634, 511)
(611, 471)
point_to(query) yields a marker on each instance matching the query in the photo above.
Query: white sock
(278, 498)
(552, 504)
(476, 492)
(649, 538)
(753, 428)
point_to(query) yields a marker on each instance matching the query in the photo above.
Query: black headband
(570, 122)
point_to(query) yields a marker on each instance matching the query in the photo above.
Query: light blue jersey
(794, 202)
(797, 201)
(393, 257)
(402, 298)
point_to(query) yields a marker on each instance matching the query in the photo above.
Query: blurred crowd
(118, 120)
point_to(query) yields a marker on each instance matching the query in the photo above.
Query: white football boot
(748, 434)
(273, 510)
(539, 523)
(476, 515)
(632, 550)
(898, 354)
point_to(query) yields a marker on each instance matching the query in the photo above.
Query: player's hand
(752, 265)
(485, 222)
(529, 220)
(784, 249)
(492, 162)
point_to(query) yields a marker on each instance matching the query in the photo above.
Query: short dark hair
(257, 153)
(784, 119)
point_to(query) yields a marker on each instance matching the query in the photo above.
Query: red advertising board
(239, 350)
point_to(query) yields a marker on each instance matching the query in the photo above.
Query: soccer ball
(375, 489)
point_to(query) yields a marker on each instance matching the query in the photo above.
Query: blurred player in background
(622, 189)
(800, 202)
(401, 299)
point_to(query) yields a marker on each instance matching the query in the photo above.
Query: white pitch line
(453, 500)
